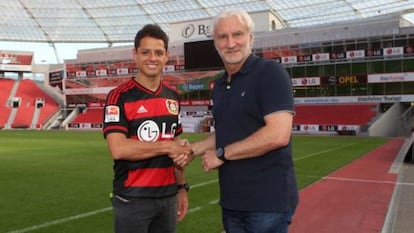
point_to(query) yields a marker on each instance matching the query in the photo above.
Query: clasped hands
(181, 153)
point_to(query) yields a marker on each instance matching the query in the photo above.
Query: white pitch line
(95, 212)
(204, 183)
(358, 180)
(366, 180)
(214, 202)
(195, 209)
(62, 220)
(322, 152)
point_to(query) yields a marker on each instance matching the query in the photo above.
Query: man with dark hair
(142, 131)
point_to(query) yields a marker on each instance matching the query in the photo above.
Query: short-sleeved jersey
(267, 182)
(148, 116)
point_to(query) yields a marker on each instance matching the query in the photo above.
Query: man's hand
(181, 152)
(210, 161)
(182, 204)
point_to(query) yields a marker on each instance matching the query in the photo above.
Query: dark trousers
(145, 215)
(256, 222)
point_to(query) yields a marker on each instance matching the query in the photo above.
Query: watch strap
(185, 186)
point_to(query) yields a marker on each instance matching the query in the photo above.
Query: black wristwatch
(220, 154)
(183, 186)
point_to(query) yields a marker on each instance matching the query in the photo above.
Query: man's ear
(167, 55)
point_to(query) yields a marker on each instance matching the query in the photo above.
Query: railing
(406, 122)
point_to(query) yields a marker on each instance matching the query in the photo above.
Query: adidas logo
(142, 109)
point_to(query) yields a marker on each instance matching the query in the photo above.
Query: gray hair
(242, 15)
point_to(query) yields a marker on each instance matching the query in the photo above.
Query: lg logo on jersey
(149, 131)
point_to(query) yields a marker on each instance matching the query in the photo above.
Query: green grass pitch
(59, 181)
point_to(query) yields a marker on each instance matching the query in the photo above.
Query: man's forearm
(180, 175)
(208, 143)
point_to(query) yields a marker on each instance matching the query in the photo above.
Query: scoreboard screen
(201, 55)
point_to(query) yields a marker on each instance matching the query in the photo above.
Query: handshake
(180, 152)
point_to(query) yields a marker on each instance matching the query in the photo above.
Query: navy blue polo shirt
(267, 182)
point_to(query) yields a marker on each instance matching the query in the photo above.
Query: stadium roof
(116, 21)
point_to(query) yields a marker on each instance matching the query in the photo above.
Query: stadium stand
(89, 116)
(341, 74)
(5, 107)
(35, 107)
(338, 114)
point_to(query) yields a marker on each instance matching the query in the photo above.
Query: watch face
(220, 152)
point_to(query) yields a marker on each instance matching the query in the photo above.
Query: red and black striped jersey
(147, 116)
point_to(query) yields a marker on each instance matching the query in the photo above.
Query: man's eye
(238, 34)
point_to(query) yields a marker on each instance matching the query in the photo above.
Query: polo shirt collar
(246, 67)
